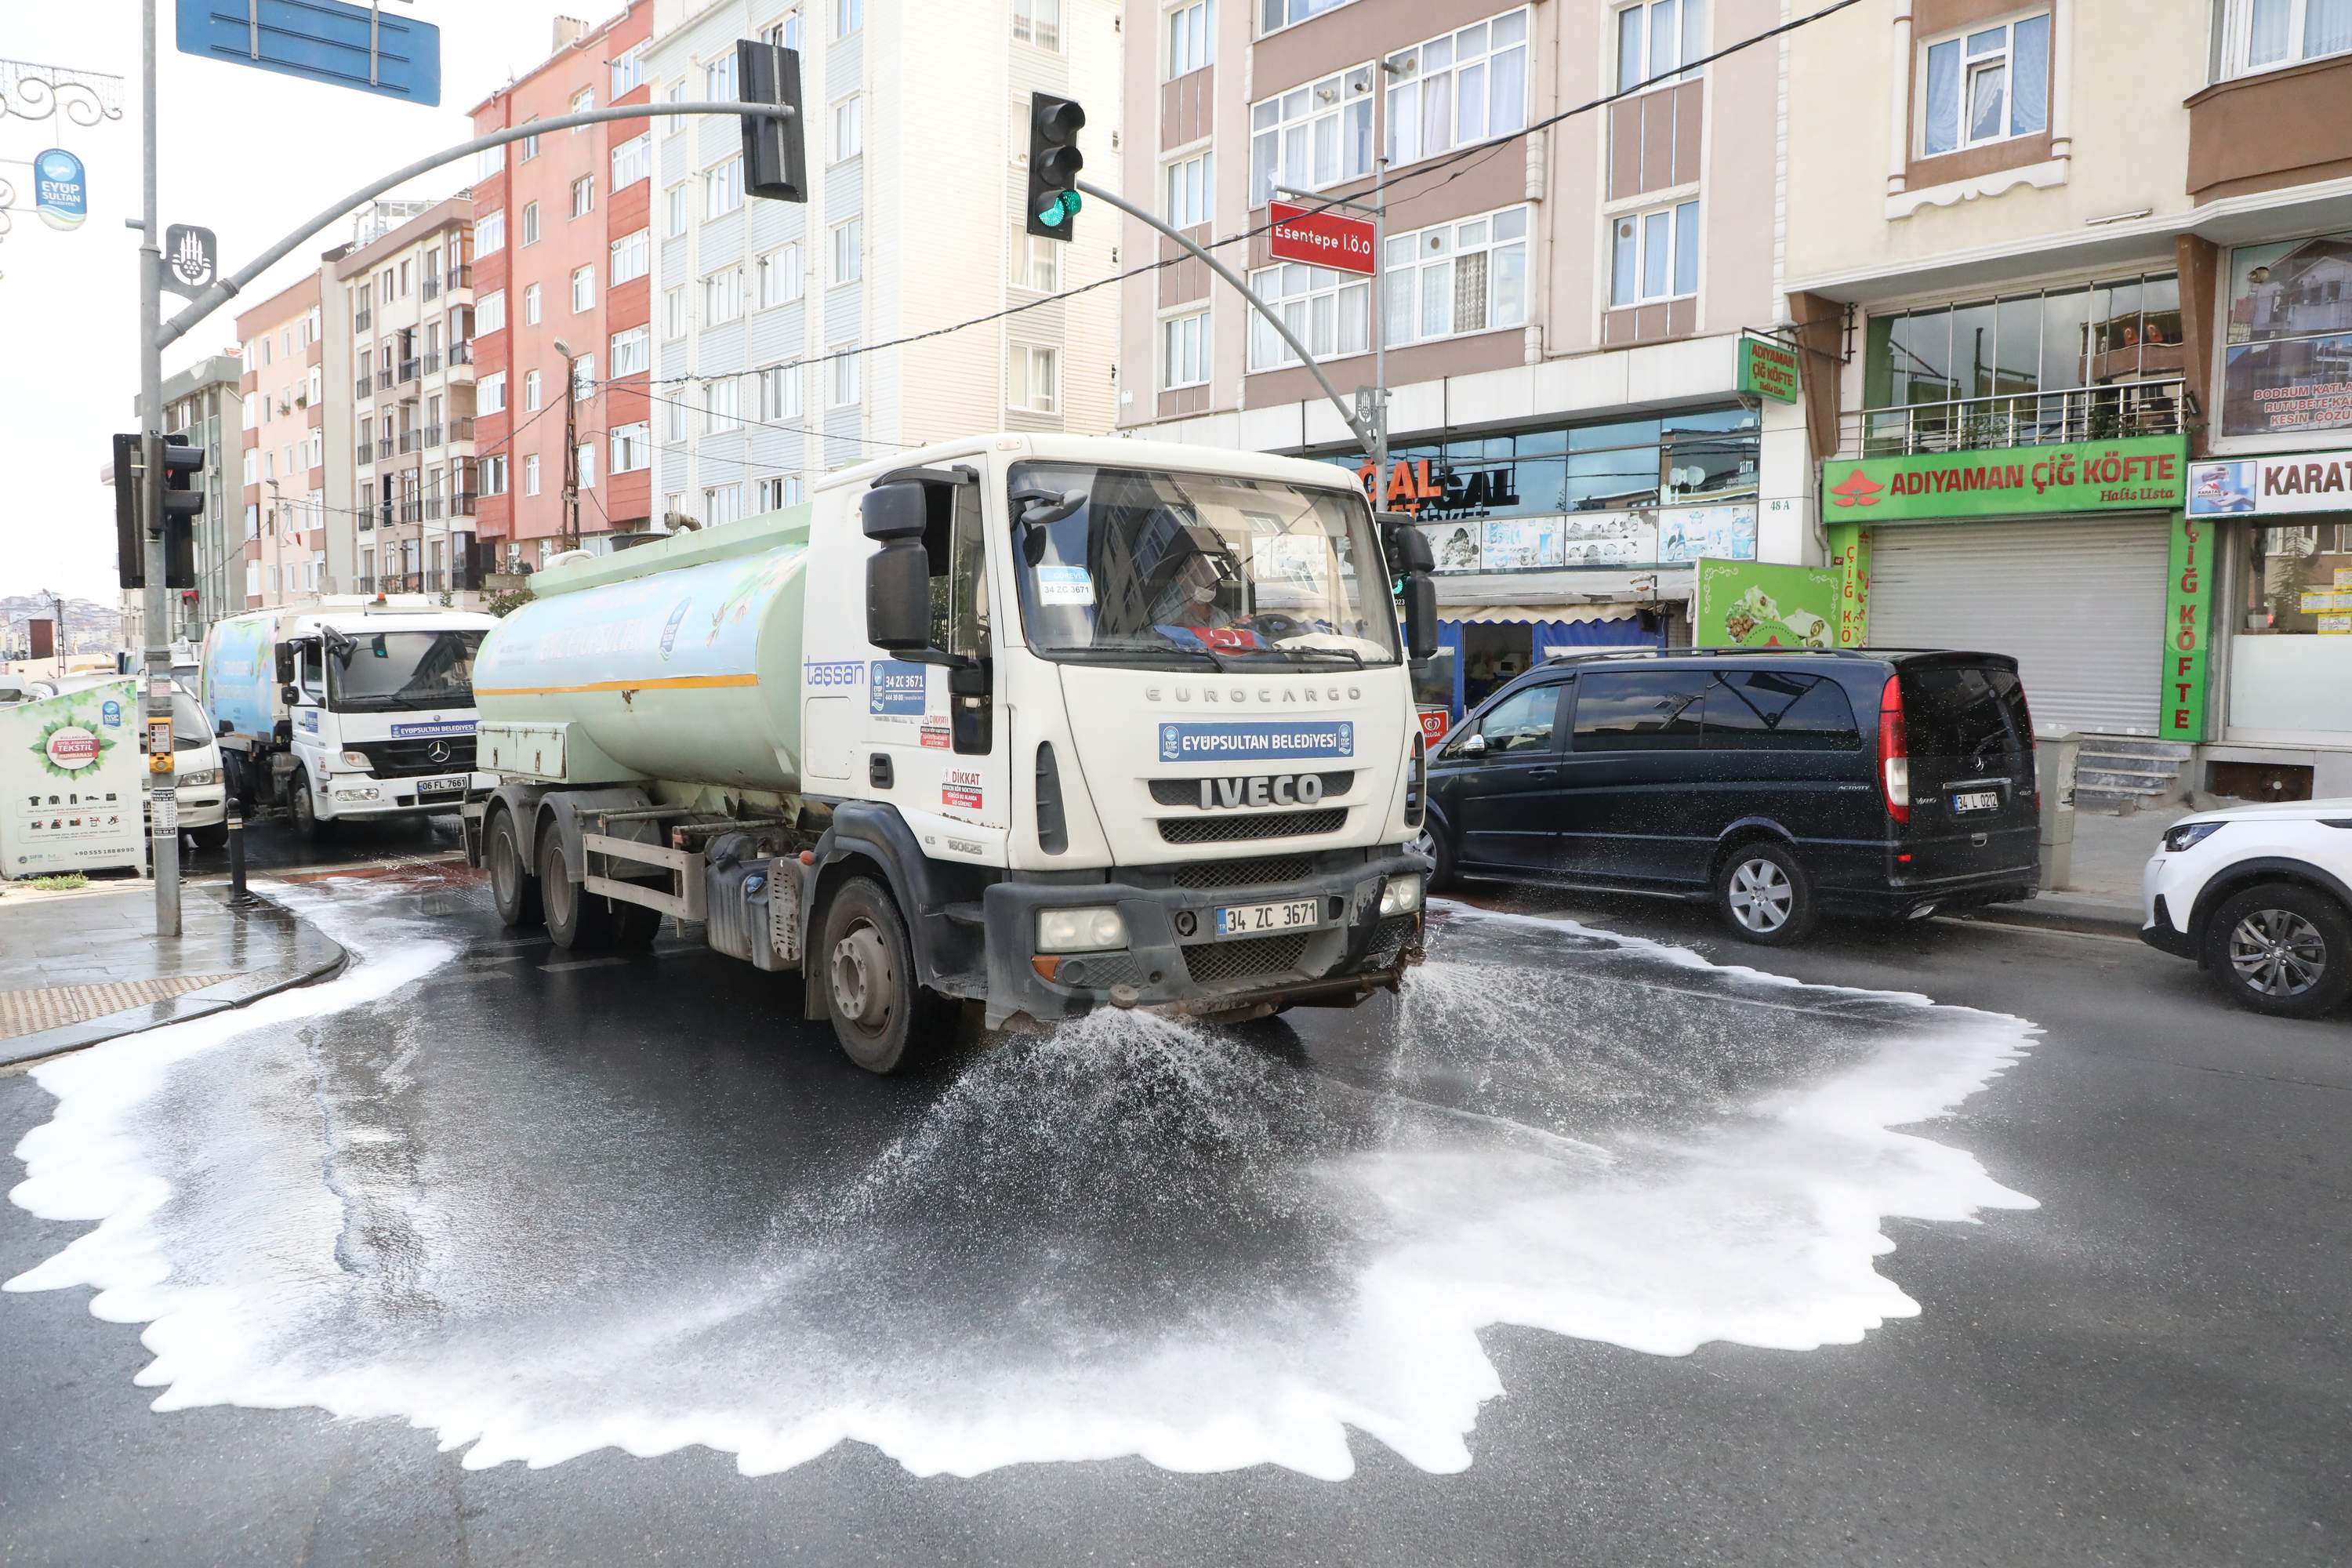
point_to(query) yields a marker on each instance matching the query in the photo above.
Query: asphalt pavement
(530, 1206)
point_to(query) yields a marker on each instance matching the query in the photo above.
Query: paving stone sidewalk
(80, 967)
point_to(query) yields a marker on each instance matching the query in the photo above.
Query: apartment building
(2080, 276)
(283, 420)
(775, 353)
(403, 300)
(1561, 310)
(561, 262)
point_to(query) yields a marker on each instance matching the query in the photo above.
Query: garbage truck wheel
(512, 886)
(881, 1015)
(577, 919)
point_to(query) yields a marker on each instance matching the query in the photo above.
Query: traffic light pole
(162, 805)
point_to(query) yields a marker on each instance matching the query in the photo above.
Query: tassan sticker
(1064, 585)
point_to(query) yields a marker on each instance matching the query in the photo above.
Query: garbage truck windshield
(1152, 567)
(383, 671)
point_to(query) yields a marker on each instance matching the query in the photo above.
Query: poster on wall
(2288, 364)
(1725, 533)
(1519, 543)
(1609, 539)
(2280, 388)
(73, 778)
(1452, 545)
(1747, 604)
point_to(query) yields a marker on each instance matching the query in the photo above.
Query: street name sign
(1323, 239)
(343, 44)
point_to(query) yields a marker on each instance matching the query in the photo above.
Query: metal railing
(433, 363)
(361, 318)
(383, 379)
(461, 277)
(461, 428)
(383, 447)
(432, 435)
(411, 440)
(461, 353)
(410, 511)
(408, 368)
(367, 452)
(432, 286)
(433, 507)
(462, 504)
(2153, 407)
(365, 384)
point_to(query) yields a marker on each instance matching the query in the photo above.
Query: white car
(199, 787)
(2261, 896)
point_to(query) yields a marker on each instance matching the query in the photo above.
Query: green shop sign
(2138, 474)
(1769, 369)
(1753, 604)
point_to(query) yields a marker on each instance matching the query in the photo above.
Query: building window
(1987, 85)
(722, 296)
(530, 297)
(1038, 22)
(2263, 35)
(783, 35)
(674, 211)
(1654, 256)
(2289, 338)
(771, 494)
(252, 467)
(722, 187)
(629, 71)
(530, 475)
(489, 162)
(584, 461)
(583, 289)
(583, 101)
(493, 476)
(490, 393)
(721, 503)
(679, 425)
(780, 275)
(489, 233)
(1184, 351)
(1313, 136)
(583, 378)
(674, 312)
(490, 311)
(1457, 278)
(842, 383)
(1657, 40)
(718, 77)
(528, 148)
(848, 16)
(1192, 39)
(632, 256)
(721, 407)
(583, 195)
(632, 352)
(1329, 311)
(1463, 88)
(1273, 16)
(674, 124)
(1034, 379)
(848, 127)
(529, 223)
(1190, 191)
(1039, 265)
(633, 161)
(780, 392)
(530, 392)
(633, 447)
(848, 251)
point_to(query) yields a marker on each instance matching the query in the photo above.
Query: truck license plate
(1977, 800)
(440, 789)
(1268, 919)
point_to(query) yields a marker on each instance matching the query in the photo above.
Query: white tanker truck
(1043, 722)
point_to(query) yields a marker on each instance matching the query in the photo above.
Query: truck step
(965, 914)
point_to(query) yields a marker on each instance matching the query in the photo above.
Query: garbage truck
(1035, 722)
(348, 708)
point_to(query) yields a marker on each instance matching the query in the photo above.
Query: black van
(1781, 783)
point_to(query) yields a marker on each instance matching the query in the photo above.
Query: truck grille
(1388, 940)
(1209, 876)
(1210, 962)
(1256, 824)
(1187, 792)
(408, 759)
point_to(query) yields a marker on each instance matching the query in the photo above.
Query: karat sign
(2307, 481)
(2137, 474)
(1322, 239)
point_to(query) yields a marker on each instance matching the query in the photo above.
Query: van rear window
(1965, 711)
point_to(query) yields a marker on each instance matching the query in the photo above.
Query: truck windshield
(381, 671)
(1149, 566)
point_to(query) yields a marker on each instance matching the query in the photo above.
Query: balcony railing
(411, 440)
(408, 368)
(433, 507)
(462, 504)
(461, 277)
(2153, 407)
(366, 384)
(432, 435)
(433, 363)
(432, 286)
(367, 452)
(461, 428)
(383, 379)
(361, 318)
(383, 447)
(461, 353)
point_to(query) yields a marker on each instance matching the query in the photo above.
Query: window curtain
(2326, 27)
(1943, 98)
(2266, 38)
(2029, 76)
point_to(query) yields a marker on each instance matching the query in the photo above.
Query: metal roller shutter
(2080, 604)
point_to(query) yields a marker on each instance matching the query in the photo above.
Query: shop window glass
(2065, 318)
(2290, 669)
(2287, 365)
(2017, 355)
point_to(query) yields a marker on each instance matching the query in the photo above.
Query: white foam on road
(1130, 1237)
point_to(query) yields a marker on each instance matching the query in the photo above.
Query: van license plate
(1977, 800)
(1269, 920)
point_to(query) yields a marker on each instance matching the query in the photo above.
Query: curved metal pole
(226, 288)
(1362, 432)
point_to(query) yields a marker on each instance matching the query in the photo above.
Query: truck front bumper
(363, 796)
(1172, 963)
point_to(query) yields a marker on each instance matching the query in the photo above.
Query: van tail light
(1894, 751)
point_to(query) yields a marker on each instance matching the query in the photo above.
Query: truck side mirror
(894, 511)
(289, 694)
(1420, 615)
(286, 664)
(1408, 547)
(223, 727)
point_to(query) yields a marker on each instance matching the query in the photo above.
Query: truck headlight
(1401, 895)
(357, 760)
(203, 776)
(2189, 835)
(1080, 930)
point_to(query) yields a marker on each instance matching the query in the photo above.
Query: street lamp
(571, 446)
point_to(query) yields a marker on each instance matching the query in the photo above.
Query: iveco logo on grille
(1266, 789)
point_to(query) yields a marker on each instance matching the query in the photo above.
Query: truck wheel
(2281, 949)
(634, 926)
(512, 887)
(880, 1014)
(305, 810)
(578, 919)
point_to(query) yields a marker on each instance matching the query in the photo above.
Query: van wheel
(1433, 844)
(512, 887)
(305, 809)
(880, 1012)
(2281, 949)
(1764, 896)
(578, 919)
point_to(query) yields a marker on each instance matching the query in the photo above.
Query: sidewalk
(2102, 893)
(83, 966)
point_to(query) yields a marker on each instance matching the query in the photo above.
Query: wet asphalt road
(2150, 1367)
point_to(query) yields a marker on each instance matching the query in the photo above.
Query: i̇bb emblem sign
(1322, 238)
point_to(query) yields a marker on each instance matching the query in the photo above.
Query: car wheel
(577, 919)
(512, 887)
(2281, 949)
(1764, 896)
(213, 837)
(1431, 842)
(882, 1016)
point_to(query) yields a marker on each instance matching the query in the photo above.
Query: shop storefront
(1570, 536)
(2062, 556)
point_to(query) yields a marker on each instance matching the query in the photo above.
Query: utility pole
(58, 604)
(163, 806)
(571, 446)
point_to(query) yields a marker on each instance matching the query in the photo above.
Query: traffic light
(129, 539)
(183, 503)
(1053, 164)
(775, 151)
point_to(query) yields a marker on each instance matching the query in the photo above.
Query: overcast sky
(246, 154)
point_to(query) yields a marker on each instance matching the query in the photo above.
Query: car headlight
(205, 776)
(1401, 895)
(1080, 930)
(2188, 835)
(357, 760)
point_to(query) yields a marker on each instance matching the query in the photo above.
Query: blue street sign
(322, 40)
(60, 193)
